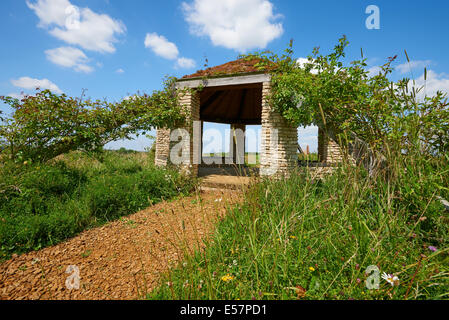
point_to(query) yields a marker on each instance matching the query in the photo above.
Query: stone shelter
(235, 93)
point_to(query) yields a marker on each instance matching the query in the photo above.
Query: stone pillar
(162, 147)
(190, 102)
(328, 150)
(279, 143)
(201, 142)
(237, 143)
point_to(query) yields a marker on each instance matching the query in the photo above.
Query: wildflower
(393, 280)
(218, 200)
(432, 248)
(169, 284)
(227, 278)
(234, 262)
(292, 237)
(312, 269)
(184, 264)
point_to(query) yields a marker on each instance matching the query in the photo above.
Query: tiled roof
(230, 68)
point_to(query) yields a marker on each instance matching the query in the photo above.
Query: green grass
(309, 157)
(322, 236)
(43, 204)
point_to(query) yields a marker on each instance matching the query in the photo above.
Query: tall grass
(308, 239)
(43, 204)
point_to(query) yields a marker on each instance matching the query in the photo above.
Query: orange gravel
(120, 260)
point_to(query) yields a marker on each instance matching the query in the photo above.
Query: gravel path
(120, 260)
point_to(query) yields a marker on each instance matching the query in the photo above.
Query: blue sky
(116, 48)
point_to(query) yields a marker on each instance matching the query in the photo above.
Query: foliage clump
(346, 101)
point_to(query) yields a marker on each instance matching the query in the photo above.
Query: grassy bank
(43, 204)
(299, 239)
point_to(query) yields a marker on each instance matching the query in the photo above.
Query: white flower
(234, 262)
(218, 200)
(391, 279)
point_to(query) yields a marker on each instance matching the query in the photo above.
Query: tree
(47, 125)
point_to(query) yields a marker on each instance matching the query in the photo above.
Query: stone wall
(279, 143)
(190, 102)
(162, 147)
(328, 150)
(237, 143)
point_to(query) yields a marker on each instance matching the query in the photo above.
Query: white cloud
(161, 46)
(120, 71)
(185, 63)
(168, 50)
(50, 11)
(15, 95)
(303, 61)
(434, 82)
(129, 97)
(374, 71)
(412, 65)
(234, 24)
(83, 27)
(69, 57)
(31, 84)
